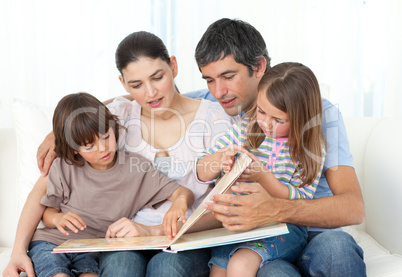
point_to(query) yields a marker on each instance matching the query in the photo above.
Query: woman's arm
(28, 221)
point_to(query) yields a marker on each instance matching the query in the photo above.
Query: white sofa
(374, 143)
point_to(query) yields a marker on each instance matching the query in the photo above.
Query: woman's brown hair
(294, 89)
(78, 120)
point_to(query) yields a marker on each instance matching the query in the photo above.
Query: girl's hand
(70, 220)
(255, 171)
(176, 211)
(228, 156)
(127, 228)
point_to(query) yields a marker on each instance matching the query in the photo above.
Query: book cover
(182, 241)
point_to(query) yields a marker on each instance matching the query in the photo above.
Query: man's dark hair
(232, 37)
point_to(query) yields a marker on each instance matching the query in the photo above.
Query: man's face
(231, 84)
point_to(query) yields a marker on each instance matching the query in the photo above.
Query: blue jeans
(155, 263)
(47, 264)
(331, 253)
(122, 263)
(287, 247)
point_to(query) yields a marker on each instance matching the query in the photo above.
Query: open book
(182, 241)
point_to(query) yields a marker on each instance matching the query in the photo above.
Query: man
(232, 58)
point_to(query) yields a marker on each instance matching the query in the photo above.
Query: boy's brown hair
(78, 120)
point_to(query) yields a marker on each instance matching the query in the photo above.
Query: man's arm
(345, 207)
(28, 221)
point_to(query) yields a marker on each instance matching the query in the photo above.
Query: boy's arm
(28, 221)
(53, 218)
(182, 198)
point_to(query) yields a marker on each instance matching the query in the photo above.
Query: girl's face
(100, 154)
(151, 83)
(274, 122)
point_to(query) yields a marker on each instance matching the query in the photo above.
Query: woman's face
(151, 83)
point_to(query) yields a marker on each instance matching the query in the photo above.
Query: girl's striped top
(275, 155)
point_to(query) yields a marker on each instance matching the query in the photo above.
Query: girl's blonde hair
(293, 89)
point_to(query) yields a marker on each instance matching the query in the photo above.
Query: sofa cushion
(32, 123)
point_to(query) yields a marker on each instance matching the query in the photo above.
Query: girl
(91, 185)
(282, 134)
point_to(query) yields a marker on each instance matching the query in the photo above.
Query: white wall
(49, 48)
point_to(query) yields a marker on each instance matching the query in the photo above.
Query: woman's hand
(126, 228)
(19, 262)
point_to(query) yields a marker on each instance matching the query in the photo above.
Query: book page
(112, 244)
(156, 242)
(222, 186)
(222, 236)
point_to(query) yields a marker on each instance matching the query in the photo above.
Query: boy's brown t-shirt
(101, 197)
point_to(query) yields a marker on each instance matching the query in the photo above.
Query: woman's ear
(174, 66)
(123, 82)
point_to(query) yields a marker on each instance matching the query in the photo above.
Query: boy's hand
(70, 220)
(176, 211)
(127, 228)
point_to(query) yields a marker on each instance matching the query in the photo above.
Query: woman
(164, 126)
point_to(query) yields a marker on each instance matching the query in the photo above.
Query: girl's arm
(182, 198)
(257, 172)
(209, 167)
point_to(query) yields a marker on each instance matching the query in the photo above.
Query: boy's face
(231, 84)
(100, 154)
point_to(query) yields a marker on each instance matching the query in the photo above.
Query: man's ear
(174, 66)
(262, 65)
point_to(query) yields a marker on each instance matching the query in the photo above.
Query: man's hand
(244, 212)
(45, 154)
(19, 263)
(126, 228)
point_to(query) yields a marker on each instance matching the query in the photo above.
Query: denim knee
(332, 253)
(122, 263)
(181, 264)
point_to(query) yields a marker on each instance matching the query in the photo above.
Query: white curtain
(49, 48)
